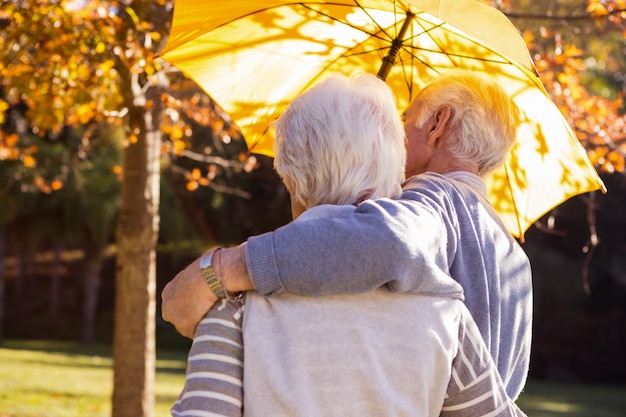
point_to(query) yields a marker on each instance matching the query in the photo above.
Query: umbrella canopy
(254, 57)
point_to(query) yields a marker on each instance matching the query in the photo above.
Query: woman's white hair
(341, 142)
(483, 122)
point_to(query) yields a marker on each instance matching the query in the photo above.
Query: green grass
(56, 379)
(549, 399)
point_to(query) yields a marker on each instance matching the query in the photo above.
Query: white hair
(483, 122)
(341, 142)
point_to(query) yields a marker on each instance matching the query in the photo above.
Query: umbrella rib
(428, 33)
(504, 60)
(380, 28)
(305, 5)
(372, 34)
(331, 63)
(417, 48)
(410, 49)
(408, 77)
(390, 59)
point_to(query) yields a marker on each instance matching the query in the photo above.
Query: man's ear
(439, 122)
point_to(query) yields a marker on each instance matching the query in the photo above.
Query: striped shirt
(214, 378)
(475, 387)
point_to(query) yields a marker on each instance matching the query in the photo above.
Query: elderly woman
(372, 354)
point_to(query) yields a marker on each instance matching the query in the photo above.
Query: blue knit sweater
(441, 226)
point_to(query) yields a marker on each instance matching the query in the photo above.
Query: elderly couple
(378, 299)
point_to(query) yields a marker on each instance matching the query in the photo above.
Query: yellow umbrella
(254, 57)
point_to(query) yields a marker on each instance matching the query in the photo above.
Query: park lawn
(549, 399)
(57, 379)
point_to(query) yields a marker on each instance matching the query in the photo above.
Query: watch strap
(206, 266)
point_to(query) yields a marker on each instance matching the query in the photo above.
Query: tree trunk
(23, 277)
(93, 266)
(55, 285)
(136, 235)
(3, 255)
(20, 272)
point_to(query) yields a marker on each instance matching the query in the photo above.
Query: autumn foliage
(73, 72)
(66, 64)
(597, 117)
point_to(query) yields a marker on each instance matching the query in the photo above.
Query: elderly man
(459, 129)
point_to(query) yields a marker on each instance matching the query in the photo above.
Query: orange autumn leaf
(11, 139)
(596, 8)
(192, 185)
(528, 36)
(3, 107)
(56, 185)
(84, 113)
(572, 51)
(177, 133)
(560, 59)
(29, 161)
(179, 146)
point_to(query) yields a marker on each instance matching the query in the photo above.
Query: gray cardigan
(441, 226)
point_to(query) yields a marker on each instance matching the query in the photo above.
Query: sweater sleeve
(346, 249)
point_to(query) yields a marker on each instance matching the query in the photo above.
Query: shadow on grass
(540, 398)
(552, 399)
(66, 348)
(93, 356)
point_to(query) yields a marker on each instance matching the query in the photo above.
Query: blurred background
(81, 80)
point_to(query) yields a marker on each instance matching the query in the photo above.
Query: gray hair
(483, 122)
(340, 142)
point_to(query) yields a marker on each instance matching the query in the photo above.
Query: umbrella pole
(396, 44)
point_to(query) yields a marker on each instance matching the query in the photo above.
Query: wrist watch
(206, 265)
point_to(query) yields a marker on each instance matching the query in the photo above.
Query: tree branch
(218, 160)
(214, 186)
(566, 17)
(592, 242)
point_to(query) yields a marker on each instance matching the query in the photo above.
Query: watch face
(206, 259)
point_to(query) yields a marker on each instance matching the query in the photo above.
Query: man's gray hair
(340, 142)
(483, 122)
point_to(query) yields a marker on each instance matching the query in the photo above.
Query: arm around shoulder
(186, 299)
(347, 249)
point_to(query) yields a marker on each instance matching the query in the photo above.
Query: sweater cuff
(261, 264)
